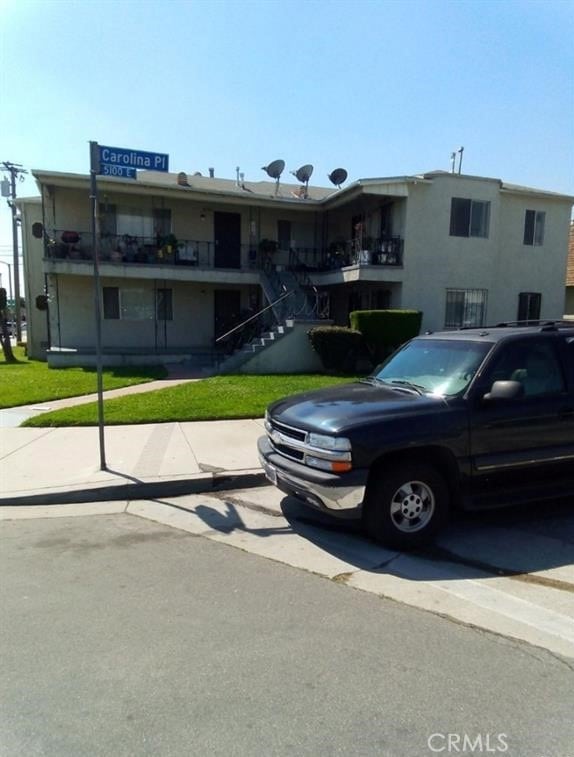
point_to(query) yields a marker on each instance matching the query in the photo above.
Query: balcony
(126, 250)
(381, 251)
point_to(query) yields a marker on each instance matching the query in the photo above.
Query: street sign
(108, 169)
(121, 156)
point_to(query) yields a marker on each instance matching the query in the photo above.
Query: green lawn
(30, 381)
(217, 398)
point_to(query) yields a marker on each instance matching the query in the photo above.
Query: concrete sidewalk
(62, 465)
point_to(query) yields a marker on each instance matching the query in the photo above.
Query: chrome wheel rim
(412, 506)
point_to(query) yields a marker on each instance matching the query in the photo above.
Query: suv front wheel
(406, 506)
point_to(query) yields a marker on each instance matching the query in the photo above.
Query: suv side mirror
(504, 390)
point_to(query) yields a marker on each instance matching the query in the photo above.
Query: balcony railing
(381, 251)
(126, 249)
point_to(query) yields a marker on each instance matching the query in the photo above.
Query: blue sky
(381, 88)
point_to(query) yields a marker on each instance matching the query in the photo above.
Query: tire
(406, 505)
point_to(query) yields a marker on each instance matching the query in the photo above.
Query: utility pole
(15, 169)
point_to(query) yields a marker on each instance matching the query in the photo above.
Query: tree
(4, 335)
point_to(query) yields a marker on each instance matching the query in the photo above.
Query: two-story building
(183, 259)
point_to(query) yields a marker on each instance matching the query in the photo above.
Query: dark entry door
(227, 303)
(227, 237)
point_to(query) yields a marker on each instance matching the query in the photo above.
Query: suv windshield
(438, 366)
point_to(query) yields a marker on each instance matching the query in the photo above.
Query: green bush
(385, 330)
(337, 346)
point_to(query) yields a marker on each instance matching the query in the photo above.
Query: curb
(150, 490)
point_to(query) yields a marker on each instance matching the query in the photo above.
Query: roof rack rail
(545, 324)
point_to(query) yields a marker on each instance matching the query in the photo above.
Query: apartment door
(227, 238)
(226, 310)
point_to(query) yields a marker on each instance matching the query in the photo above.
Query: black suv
(471, 418)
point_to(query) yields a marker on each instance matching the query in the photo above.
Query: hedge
(385, 330)
(337, 346)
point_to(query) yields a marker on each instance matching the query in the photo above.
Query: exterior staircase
(233, 363)
(299, 304)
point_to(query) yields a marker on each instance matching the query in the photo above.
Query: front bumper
(340, 495)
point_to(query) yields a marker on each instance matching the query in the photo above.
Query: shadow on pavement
(509, 541)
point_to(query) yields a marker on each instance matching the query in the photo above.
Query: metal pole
(16, 262)
(94, 167)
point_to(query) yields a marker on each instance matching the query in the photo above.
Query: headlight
(333, 466)
(335, 443)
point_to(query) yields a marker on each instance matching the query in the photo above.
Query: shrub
(385, 330)
(337, 346)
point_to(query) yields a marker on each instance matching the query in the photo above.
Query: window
(529, 306)
(137, 304)
(469, 218)
(534, 227)
(137, 222)
(164, 305)
(465, 308)
(111, 297)
(531, 362)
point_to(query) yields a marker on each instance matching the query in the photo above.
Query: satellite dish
(274, 170)
(303, 175)
(338, 176)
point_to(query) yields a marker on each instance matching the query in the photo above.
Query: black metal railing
(157, 250)
(172, 251)
(251, 327)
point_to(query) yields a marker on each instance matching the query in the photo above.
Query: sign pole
(94, 170)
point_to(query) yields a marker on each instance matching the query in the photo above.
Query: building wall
(192, 328)
(36, 320)
(526, 268)
(434, 261)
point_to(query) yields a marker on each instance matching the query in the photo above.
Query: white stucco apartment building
(185, 258)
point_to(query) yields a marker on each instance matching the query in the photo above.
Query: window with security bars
(465, 308)
(469, 218)
(534, 221)
(529, 306)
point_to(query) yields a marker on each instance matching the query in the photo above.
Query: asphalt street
(121, 636)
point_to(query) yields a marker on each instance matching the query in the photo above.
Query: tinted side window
(533, 363)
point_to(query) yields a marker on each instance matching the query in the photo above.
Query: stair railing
(238, 343)
(296, 266)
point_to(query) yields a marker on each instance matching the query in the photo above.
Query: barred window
(465, 308)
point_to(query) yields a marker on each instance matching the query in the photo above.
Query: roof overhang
(186, 193)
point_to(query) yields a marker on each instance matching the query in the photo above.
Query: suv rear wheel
(406, 506)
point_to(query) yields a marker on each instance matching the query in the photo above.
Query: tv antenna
(274, 171)
(338, 177)
(303, 175)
